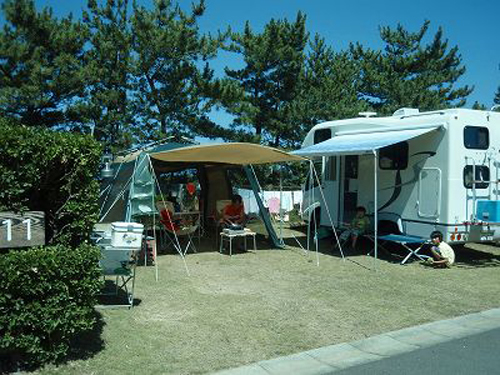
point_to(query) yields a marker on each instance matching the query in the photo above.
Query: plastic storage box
(488, 211)
(127, 235)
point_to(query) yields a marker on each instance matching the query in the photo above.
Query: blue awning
(360, 143)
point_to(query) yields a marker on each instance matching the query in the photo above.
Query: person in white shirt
(443, 254)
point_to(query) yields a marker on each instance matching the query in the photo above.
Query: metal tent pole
(323, 198)
(375, 198)
(177, 243)
(309, 185)
(155, 258)
(280, 208)
(313, 217)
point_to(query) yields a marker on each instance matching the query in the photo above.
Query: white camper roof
(399, 121)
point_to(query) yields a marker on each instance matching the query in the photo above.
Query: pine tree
(496, 99)
(479, 106)
(172, 78)
(109, 72)
(410, 73)
(331, 85)
(270, 81)
(42, 75)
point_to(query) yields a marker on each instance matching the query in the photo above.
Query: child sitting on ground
(359, 226)
(442, 253)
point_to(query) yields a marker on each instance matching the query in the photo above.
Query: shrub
(54, 172)
(47, 297)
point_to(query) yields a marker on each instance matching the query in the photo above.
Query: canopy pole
(375, 205)
(155, 244)
(322, 194)
(264, 213)
(313, 215)
(177, 243)
(309, 187)
(280, 208)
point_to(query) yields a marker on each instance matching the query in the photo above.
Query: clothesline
(271, 199)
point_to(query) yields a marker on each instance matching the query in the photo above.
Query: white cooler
(127, 235)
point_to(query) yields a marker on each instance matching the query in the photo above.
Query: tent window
(482, 174)
(394, 157)
(182, 188)
(476, 137)
(322, 135)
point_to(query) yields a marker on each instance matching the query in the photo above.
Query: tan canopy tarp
(227, 153)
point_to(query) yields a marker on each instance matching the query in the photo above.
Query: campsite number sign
(18, 230)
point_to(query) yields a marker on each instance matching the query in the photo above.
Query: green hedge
(47, 298)
(54, 172)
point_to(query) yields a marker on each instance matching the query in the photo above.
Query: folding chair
(179, 225)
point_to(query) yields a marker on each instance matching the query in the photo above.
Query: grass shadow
(469, 257)
(88, 344)
(111, 297)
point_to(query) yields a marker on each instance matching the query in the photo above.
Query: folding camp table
(405, 241)
(228, 235)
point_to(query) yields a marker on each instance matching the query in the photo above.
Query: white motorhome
(436, 171)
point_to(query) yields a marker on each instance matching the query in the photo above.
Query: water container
(488, 211)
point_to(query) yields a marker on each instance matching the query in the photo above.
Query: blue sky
(471, 25)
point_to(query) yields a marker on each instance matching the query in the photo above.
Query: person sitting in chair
(443, 255)
(359, 226)
(233, 215)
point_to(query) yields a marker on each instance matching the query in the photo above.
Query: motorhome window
(394, 157)
(331, 169)
(321, 135)
(482, 176)
(476, 137)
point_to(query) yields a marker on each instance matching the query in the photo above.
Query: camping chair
(120, 262)
(178, 224)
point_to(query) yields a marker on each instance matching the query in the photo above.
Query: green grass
(255, 306)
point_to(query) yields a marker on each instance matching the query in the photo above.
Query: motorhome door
(349, 193)
(331, 187)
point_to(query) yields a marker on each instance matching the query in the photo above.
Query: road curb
(332, 358)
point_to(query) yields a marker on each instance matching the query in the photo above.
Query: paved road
(476, 354)
(469, 344)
